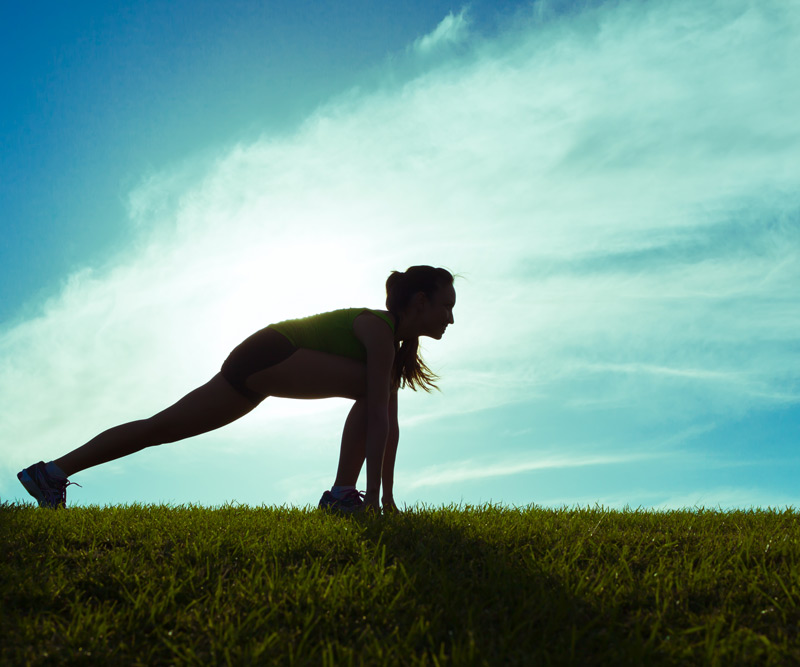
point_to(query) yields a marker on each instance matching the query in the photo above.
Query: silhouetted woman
(353, 353)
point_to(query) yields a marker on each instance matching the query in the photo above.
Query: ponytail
(409, 368)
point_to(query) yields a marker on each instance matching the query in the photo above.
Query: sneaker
(352, 501)
(49, 491)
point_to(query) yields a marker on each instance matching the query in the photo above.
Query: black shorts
(263, 349)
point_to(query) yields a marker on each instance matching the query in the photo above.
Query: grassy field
(239, 585)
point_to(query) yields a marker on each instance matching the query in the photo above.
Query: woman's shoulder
(384, 315)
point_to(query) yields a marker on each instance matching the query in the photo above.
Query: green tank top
(328, 332)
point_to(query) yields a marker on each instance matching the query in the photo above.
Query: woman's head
(422, 299)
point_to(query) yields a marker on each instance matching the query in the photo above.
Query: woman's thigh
(204, 409)
(312, 374)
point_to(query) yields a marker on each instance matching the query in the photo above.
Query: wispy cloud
(471, 470)
(619, 186)
(453, 29)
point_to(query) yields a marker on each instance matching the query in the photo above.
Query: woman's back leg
(305, 374)
(207, 408)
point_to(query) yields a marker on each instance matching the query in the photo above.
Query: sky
(616, 184)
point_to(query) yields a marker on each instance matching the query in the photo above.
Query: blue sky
(618, 184)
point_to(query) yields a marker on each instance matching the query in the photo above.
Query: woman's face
(437, 312)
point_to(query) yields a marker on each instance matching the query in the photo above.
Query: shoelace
(64, 491)
(354, 496)
(60, 487)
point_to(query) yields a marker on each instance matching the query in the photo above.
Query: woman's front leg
(353, 450)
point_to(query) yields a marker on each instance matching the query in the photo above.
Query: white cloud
(453, 29)
(470, 470)
(619, 186)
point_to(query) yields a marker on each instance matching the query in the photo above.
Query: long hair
(409, 368)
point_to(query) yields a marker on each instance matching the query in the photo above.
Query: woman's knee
(165, 428)
(158, 431)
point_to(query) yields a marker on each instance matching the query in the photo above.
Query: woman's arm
(389, 455)
(378, 341)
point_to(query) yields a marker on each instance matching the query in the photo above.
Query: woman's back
(330, 332)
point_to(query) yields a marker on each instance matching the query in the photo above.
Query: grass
(152, 585)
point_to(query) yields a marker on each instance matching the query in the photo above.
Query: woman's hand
(388, 505)
(371, 503)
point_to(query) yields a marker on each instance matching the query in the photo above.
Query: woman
(352, 353)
